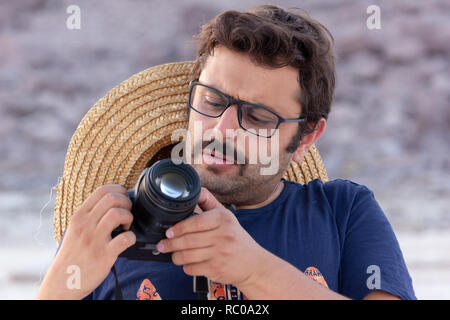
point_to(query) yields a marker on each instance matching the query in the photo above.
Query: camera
(164, 194)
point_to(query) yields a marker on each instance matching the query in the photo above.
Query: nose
(228, 120)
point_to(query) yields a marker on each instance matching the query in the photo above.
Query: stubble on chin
(244, 187)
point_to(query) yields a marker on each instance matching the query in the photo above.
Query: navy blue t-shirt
(334, 232)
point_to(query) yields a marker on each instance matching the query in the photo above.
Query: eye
(214, 104)
(258, 115)
(254, 118)
(213, 101)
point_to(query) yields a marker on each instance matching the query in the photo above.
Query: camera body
(164, 194)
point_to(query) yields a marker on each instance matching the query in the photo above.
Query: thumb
(207, 201)
(198, 209)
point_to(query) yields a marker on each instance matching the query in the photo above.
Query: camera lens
(166, 193)
(173, 185)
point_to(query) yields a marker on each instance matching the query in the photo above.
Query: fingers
(192, 256)
(108, 201)
(121, 242)
(207, 201)
(196, 269)
(188, 241)
(197, 223)
(113, 218)
(98, 194)
(198, 209)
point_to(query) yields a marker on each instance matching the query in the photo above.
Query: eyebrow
(257, 103)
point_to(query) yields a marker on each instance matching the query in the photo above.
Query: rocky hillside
(388, 129)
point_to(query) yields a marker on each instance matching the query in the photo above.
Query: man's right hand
(88, 246)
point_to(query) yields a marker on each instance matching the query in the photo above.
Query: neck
(275, 193)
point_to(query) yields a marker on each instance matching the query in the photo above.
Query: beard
(243, 184)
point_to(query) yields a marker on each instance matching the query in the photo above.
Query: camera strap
(117, 291)
(201, 286)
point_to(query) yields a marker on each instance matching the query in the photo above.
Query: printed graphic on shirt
(219, 291)
(147, 291)
(316, 275)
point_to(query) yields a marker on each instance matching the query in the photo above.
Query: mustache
(223, 148)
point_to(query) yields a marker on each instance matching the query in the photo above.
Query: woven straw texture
(129, 129)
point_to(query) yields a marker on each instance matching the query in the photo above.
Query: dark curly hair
(274, 37)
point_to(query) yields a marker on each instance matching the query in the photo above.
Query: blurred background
(388, 129)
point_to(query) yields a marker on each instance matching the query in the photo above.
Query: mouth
(214, 158)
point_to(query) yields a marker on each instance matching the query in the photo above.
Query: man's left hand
(213, 244)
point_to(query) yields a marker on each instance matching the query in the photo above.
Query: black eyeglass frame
(239, 104)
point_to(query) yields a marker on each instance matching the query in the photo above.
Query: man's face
(236, 75)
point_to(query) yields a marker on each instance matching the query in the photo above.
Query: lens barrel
(164, 194)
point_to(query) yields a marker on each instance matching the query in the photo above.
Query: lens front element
(173, 185)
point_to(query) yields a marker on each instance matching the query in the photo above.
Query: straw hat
(129, 129)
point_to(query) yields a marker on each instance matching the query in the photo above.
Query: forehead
(235, 74)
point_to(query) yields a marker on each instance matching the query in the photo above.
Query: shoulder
(343, 190)
(340, 197)
(340, 185)
(336, 191)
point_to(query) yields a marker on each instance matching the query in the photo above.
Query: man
(262, 69)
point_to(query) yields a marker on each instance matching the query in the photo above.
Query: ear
(308, 140)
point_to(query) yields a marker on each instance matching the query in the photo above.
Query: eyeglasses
(253, 118)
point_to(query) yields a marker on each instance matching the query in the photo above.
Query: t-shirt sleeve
(371, 256)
